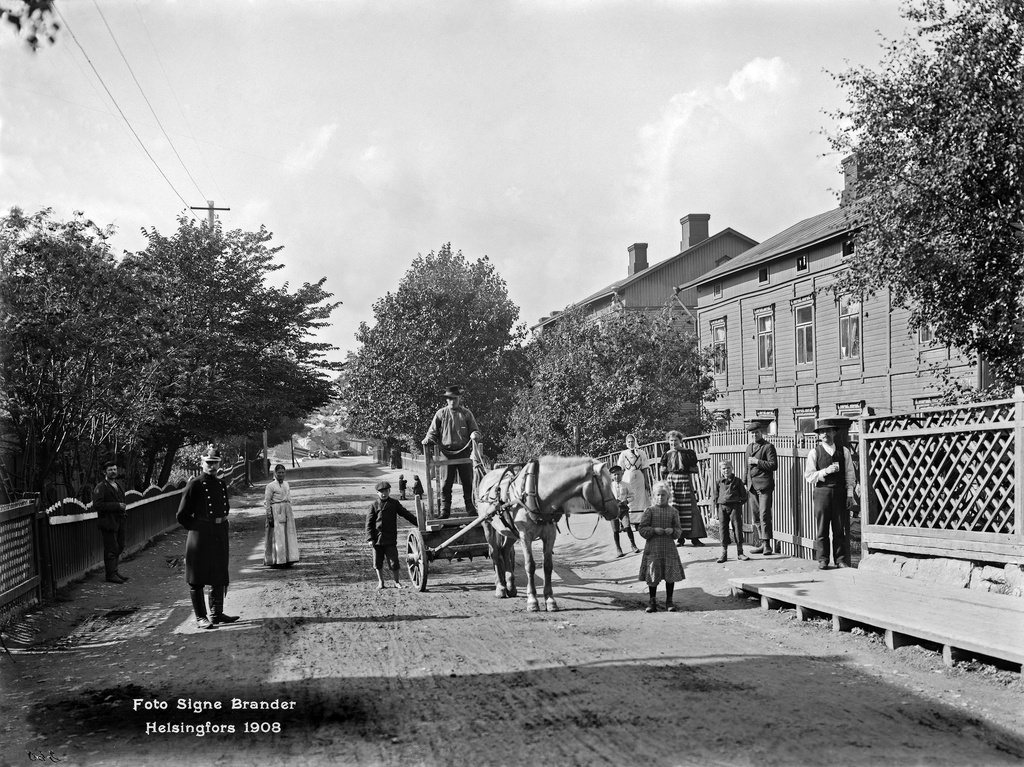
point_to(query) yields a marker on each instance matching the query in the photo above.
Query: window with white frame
(719, 347)
(926, 335)
(849, 327)
(716, 290)
(805, 418)
(764, 322)
(803, 318)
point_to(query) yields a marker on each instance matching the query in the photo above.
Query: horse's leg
(508, 558)
(548, 539)
(531, 570)
(495, 550)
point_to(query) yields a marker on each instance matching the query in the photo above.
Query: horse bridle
(600, 490)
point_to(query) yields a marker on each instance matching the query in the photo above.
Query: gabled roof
(809, 231)
(644, 273)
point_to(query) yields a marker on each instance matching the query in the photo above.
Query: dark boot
(199, 606)
(217, 606)
(652, 606)
(110, 565)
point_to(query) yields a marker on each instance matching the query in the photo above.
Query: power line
(144, 97)
(119, 110)
(170, 86)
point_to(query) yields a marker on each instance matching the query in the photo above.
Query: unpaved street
(342, 673)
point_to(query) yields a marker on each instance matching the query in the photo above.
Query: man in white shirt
(830, 472)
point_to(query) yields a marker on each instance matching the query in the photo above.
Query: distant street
(323, 668)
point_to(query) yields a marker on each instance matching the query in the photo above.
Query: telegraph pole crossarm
(208, 207)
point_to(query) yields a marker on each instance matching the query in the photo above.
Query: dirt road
(325, 669)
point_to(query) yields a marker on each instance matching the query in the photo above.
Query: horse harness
(514, 487)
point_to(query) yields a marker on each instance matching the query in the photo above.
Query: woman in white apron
(282, 546)
(633, 461)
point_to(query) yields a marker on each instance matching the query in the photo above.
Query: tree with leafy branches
(939, 142)
(238, 352)
(32, 20)
(77, 371)
(449, 322)
(592, 381)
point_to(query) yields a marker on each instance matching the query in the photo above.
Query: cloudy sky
(548, 135)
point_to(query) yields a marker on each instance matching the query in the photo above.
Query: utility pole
(208, 207)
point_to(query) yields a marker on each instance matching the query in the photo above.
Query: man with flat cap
(762, 463)
(203, 511)
(382, 531)
(830, 471)
(454, 430)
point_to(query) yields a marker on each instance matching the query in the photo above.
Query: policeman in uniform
(204, 513)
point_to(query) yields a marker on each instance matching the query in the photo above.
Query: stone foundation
(959, 573)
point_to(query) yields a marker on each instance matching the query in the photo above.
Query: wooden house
(788, 349)
(653, 287)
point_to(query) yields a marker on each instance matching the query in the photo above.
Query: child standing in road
(382, 531)
(660, 527)
(402, 484)
(624, 495)
(730, 496)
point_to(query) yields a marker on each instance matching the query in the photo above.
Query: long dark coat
(204, 502)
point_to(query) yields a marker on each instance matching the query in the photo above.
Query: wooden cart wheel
(416, 560)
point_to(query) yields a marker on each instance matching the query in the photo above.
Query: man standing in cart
(454, 430)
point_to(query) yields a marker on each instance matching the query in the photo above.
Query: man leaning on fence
(830, 471)
(762, 463)
(112, 519)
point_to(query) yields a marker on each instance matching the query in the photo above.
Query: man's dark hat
(382, 485)
(453, 391)
(616, 469)
(211, 454)
(837, 424)
(757, 423)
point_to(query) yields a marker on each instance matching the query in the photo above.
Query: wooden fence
(19, 557)
(41, 551)
(946, 481)
(792, 516)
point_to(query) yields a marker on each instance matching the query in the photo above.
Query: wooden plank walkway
(963, 621)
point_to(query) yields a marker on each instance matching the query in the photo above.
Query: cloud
(768, 75)
(711, 138)
(309, 152)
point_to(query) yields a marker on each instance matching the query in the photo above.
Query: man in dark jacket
(204, 513)
(382, 531)
(762, 463)
(112, 519)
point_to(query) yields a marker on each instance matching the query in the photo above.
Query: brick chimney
(849, 193)
(637, 257)
(695, 229)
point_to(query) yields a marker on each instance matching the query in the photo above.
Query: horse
(530, 504)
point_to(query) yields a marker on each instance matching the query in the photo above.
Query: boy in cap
(730, 498)
(382, 531)
(624, 495)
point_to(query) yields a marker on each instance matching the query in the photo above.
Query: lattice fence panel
(16, 553)
(960, 481)
(989, 412)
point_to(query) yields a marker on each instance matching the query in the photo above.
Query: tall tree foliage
(237, 350)
(593, 382)
(75, 369)
(939, 140)
(449, 322)
(182, 343)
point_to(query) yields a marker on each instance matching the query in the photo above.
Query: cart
(450, 538)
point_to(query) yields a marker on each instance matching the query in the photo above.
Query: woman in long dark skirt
(678, 466)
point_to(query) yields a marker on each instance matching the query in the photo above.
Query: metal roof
(807, 232)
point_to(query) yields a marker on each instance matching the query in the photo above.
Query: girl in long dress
(659, 526)
(633, 461)
(282, 544)
(677, 467)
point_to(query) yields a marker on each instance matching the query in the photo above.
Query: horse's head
(599, 493)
